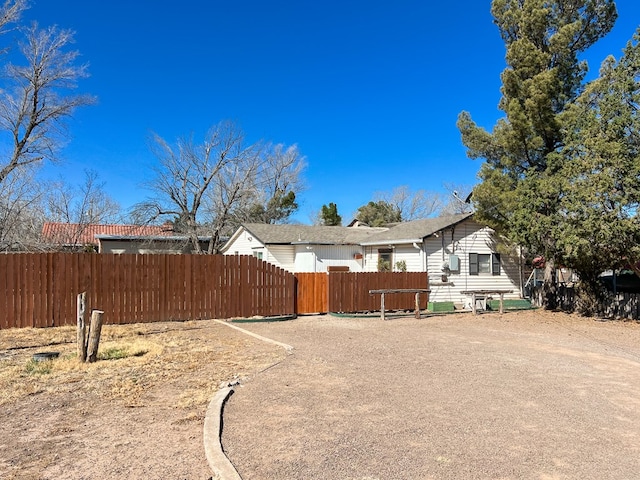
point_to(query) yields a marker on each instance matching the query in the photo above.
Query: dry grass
(132, 360)
(145, 398)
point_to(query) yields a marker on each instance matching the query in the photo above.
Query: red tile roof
(78, 234)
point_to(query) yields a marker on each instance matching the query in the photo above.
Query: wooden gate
(312, 293)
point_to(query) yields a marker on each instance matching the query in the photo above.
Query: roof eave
(235, 236)
(393, 242)
(154, 238)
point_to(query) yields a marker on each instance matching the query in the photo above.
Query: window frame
(385, 253)
(493, 260)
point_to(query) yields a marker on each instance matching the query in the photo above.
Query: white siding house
(480, 267)
(301, 248)
(334, 256)
(458, 253)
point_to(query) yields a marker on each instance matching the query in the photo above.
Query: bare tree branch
(33, 107)
(82, 205)
(457, 199)
(412, 205)
(210, 188)
(10, 12)
(20, 212)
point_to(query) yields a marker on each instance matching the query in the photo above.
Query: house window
(258, 255)
(484, 264)
(385, 259)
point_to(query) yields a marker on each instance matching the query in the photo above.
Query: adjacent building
(116, 238)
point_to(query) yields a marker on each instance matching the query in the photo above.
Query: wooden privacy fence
(565, 297)
(622, 305)
(349, 291)
(40, 289)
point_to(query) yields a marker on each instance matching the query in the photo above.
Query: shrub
(401, 266)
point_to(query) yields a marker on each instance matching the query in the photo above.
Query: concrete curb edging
(218, 461)
(288, 348)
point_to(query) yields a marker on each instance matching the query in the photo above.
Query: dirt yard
(137, 413)
(523, 395)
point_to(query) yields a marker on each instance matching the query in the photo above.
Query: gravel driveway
(525, 395)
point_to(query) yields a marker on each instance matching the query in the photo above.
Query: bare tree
(25, 205)
(33, 106)
(20, 211)
(277, 181)
(34, 101)
(79, 206)
(10, 12)
(412, 205)
(232, 192)
(84, 204)
(457, 199)
(185, 177)
(209, 189)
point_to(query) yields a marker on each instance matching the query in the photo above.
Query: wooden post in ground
(82, 328)
(417, 305)
(94, 335)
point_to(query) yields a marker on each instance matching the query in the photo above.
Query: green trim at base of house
(438, 307)
(510, 304)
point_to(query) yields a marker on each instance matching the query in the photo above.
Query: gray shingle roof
(415, 230)
(407, 231)
(288, 234)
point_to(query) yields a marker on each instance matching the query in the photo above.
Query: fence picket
(4, 294)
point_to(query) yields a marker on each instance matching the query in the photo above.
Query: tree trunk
(550, 286)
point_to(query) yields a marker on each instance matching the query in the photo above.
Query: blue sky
(369, 91)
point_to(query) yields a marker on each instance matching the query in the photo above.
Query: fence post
(81, 329)
(94, 335)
